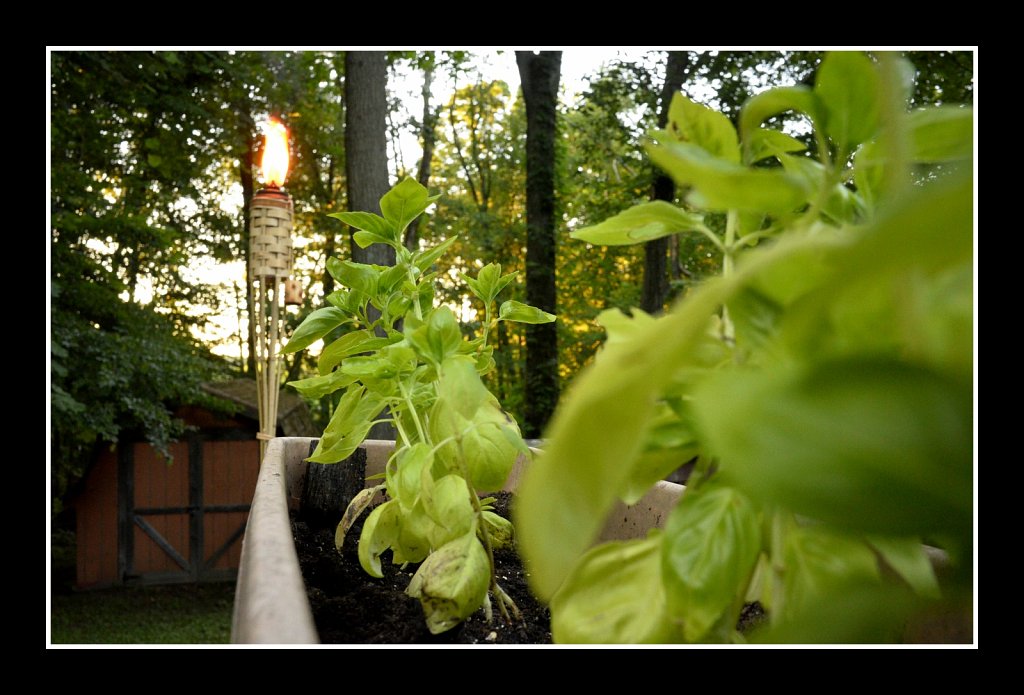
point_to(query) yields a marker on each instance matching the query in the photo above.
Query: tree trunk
(539, 73)
(427, 135)
(656, 286)
(366, 158)
(366, 149)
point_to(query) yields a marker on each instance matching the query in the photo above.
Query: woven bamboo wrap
(270, 237)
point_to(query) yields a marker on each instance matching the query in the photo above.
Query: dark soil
(351, 607)
(752, 616)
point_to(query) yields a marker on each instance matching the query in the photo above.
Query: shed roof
(293, 415)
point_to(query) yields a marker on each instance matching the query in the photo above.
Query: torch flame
(275, 154)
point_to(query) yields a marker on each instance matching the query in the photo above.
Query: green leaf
(314, 327)
(404, 203)
(596, 434)
(489, 282)
(704, 127)
(901, 286)
(367, 222)
(364, 239)
(821, 563)
(864, 613)
(769, 103)
(398, 305)
(473, 285)
(352, 419)
(622, 328)
(868, 171)
(450, 508)
(344, 300)
(670, 442)
(523, 313)
(486, 443)
(392, 278)
(640, 224)
(426, 258)
(356, 276)
(651, 466)
(487, 277)
(351, 344)
(941, 134)
(596, 437)
(842, 204)
(765, 142)
(452, 583)
(503, 282)
(907, 557)
(712, 542)
(756, 318)
(460, 385)
(319, 386)
(722, 185)
(390, 362)
(614, 595)
(849, 88)
(500, 530)
(437, 339)
(380, 532)
(405, 471)
(867, 444)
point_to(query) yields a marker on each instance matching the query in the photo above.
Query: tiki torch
(270, 258)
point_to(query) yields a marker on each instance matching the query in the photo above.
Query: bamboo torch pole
(270, 250)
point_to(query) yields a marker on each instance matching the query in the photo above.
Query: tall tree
(539, 74)
(655, 289)
(366, 157)
(366, 148)
(428, 136)
(132, 135)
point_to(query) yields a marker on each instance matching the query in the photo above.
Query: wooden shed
(142, 518)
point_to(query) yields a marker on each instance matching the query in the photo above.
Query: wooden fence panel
(230, 469)
(141, 518)
(161, 484)
(96, 516)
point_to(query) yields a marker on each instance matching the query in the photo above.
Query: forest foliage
(152, 165)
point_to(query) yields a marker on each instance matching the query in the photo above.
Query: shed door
(183, 520)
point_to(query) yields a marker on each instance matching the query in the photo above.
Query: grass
(174, 614)
(179, 614)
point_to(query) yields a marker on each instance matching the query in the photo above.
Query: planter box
(270, 598)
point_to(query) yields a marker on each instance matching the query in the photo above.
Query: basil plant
(823, 383)
(403, 359)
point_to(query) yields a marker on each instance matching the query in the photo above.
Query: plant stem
(896, 173)
(412, 410)
(778, 566)
(712, 237)
(487, 321)
(749, 239)
(398, 426)
(728, 260)
(416, 301)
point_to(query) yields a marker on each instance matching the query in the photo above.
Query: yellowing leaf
(704, 127)
(452, 583)
(719, 184)
(639, 224)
